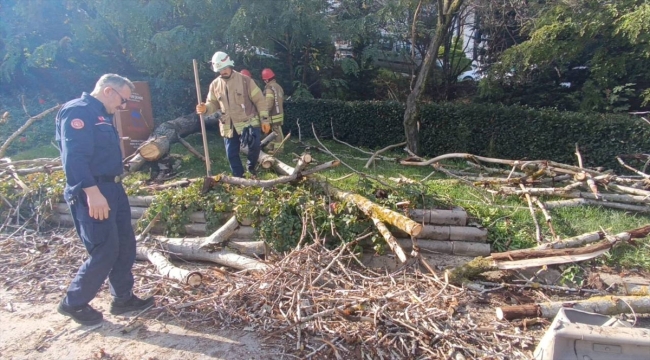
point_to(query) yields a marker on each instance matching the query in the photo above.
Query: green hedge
(511, 132)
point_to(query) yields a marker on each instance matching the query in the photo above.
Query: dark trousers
(111, 248)
(232, 150)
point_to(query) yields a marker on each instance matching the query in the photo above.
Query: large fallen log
(189, 249)
(604, 305)
(166, 268)
(551, 260)
(165, 135)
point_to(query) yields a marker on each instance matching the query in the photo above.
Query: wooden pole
(604, 305)
(205, 138)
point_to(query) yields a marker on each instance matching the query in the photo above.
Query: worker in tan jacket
(274, 96)
(242, 104)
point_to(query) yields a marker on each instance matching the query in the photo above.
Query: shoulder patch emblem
(77, 124)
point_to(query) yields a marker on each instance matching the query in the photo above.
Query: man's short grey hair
(113, 80)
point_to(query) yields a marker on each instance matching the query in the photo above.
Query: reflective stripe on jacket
(239, 99)
(274, 96)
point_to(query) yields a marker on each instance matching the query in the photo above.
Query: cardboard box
(135, 123)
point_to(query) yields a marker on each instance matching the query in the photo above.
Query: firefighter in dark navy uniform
(92, 161)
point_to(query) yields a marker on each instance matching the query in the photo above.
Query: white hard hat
(221, 60)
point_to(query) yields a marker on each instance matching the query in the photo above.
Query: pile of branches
(560, 185)
(36, 264)
(24, 202)
(328, 303)
(313, 303)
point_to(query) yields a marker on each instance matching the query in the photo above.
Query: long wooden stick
(205, 138)
(605, 305)
(191, 148)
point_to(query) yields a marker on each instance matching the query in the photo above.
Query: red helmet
(267, 74)
(245, 72)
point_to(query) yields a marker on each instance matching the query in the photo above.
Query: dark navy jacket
(89, 143)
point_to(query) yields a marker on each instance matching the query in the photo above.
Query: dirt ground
(37, 331)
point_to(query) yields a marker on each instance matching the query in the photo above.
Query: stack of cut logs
(444, 231)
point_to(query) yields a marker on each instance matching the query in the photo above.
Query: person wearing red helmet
(274, 95)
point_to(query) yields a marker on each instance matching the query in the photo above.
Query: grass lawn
(507, 218)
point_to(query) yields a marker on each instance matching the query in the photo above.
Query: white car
(470, 75)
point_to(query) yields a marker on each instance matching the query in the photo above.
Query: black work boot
(84, 315)
(133, 304)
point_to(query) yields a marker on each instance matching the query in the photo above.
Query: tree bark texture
(460, 248)
(604, 305)
(221, 235)
(564, 248)
(454, 217)
(165, 135)
(190, 249)
(166, 268)
(390, 239)
(447, 9)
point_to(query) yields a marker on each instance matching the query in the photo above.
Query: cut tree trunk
(604, 305)
(166, 268)
(457, 217)
(189, 249)
(165, 135)
(454, 233)
(448, 247)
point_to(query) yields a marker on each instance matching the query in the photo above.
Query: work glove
(246, 139)
(266, 128)
(201, 108)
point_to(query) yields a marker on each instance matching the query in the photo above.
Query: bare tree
(447, 9)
